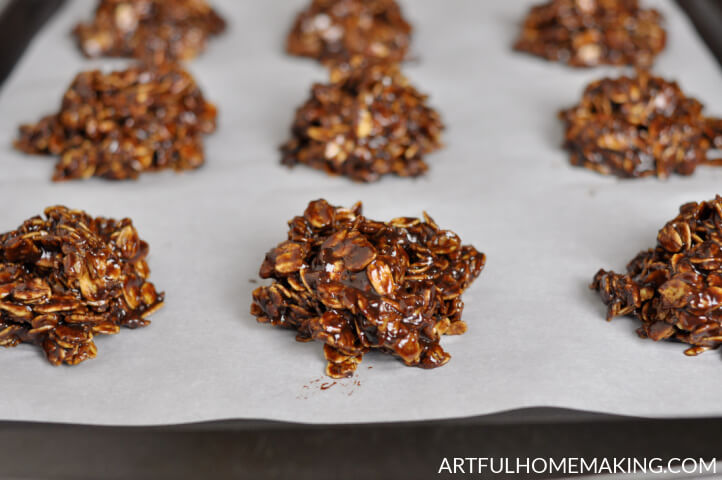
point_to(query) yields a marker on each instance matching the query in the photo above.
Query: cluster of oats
(368, 121)
(358, 284)
(68, 277)
(333, 31)
(639, 126)
(585, 33)
(151, 30)
(117, 125)
(675, 289)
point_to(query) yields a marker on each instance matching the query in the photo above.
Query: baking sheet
(537, 335)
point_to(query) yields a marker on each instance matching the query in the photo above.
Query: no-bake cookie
(368, 121)
(150, 30)
(586, 33)
(67, 277)
(117, 125)
(357, 284)
(639, 126)
(334, 31)
(675, 289)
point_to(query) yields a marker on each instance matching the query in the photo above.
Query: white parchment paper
(537, 335)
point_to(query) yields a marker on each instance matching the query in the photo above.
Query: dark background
(257, 449)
